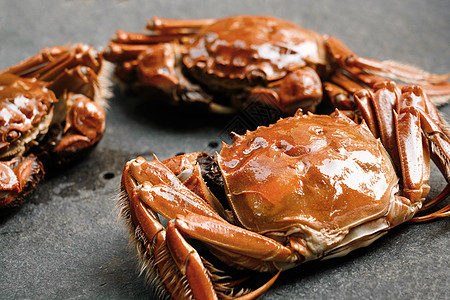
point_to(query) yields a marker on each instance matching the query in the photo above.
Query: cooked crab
(307, 187)
(51, 109)
(225, 64)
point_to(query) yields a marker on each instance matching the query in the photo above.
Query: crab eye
(11, 136)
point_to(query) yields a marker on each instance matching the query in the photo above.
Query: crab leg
(72, 74)
(151, 240)
(339, 97)
(384, 101)
(363, 99)
(400, 131)
(50, 62)
(142, 213)
(340, 89)
(135, 38)
(417, 128)
(127, 45)
(177, 26)
(441, 213)
(411, 153)
(46, 55)
(371, 72)
(413, 132)
(402, 72)
(80, 80)
(218, 232)
(155, 66)
(190, 263)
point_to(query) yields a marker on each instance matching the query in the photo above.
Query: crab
(51, 111)
(225, 64)
(308, 187)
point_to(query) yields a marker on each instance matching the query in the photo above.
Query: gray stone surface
(66, 242)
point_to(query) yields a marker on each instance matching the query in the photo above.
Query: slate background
(66, 242)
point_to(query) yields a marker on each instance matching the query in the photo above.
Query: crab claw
(301, 87)
(85, 124)
(18, 178)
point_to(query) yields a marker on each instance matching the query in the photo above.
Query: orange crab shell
(248, 47)
(308, 173)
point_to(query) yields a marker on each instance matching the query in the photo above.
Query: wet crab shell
(320, 178)
(26, 111)
(240, 51)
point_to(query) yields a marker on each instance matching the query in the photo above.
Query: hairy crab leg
(192, 226)
(153, 64)
(77, 66)
(190, 264)
(158, 65)
(341, 91)
(148, 185)
(363, 99)
(340, 97)
(143, 217)
(411, 150)
(150, 239)
(85, 124)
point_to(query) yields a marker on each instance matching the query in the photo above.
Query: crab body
(51, 109)
(231, 62)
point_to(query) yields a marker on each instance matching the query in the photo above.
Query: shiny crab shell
(322, 185)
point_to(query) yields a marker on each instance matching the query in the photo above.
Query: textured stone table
(66, 242)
